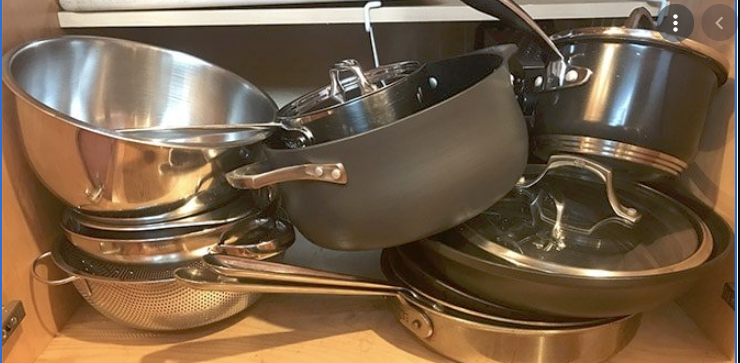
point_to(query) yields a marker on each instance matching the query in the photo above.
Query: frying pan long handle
(253, 176)
(510, 13)
(240, 267)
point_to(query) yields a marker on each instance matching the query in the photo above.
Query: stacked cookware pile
(488, 259)
(141, 207)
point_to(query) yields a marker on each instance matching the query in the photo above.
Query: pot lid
(719, 62)
(567, 222)
(348, 82)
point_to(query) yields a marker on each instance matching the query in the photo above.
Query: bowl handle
(43, 280)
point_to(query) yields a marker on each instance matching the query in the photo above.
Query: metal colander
(143, 296)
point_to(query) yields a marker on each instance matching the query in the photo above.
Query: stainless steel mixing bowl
(74, 92)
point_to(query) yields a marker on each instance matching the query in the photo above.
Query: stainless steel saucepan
(439, 325)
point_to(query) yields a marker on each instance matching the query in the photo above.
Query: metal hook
(369, 27)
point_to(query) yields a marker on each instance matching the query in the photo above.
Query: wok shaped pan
(565, 295)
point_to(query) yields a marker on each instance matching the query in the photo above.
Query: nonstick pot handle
(512, 14)
(603, 172)
(253, 176)
(559, 74)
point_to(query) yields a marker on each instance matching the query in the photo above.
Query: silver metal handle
(559, 73)
(603, 172)
(337, 84)
(251, 176)
(640, 18)
(239, 267)
(272, 237)
(38, 277)
(277, 278)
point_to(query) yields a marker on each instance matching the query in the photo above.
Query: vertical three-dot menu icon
(677, 24)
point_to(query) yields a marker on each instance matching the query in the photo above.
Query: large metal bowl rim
(11, 83)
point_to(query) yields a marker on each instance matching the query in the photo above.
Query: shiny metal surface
(73, 92)
(143, 296)
(644, 161)
(645, 92)
(455, 335)
(493, 279)
(244, 206)
(261, 239)
(212, 135)
(356, 102)
(716, 60)
(422, 174)
(603, 172)
(559, 74)
(258, 175)
(178, 244)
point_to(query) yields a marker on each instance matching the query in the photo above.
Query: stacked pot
(488, 259)
(551, 261)
(141, 207)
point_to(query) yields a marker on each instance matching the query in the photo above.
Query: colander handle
(38, 277)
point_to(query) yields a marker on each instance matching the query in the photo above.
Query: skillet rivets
(416, 324)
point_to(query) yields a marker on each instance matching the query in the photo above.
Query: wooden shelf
(418, 11)
(327, 329)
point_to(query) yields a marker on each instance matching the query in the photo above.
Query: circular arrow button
(719, 22)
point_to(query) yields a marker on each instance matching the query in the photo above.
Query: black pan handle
(512, 14)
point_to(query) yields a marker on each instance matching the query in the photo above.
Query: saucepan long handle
(238, 274)
(510, 13)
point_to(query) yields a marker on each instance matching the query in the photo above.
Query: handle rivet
(336, 174)
(538, 81)
(571, 76)
(416, 324)
(318, 171)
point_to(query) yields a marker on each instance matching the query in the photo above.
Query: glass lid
(348, 82)
(568, 222)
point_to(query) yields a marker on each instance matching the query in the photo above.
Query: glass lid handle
(337, 88)
(603, 172)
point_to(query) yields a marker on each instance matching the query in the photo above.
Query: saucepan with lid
(410, 176)
(643, 105)
(559, 247)
(459, 333)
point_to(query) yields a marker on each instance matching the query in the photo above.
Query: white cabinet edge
(334, 15)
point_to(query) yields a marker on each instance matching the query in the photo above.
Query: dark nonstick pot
(574, 296)
(414, 177)
(641, 106)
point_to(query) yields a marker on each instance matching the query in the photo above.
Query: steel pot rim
(286, 119)
(720, 63)
(9, 80)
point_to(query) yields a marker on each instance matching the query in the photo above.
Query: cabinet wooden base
(330, 330)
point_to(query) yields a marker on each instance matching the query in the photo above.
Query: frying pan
(458, 336)
(470, 268)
